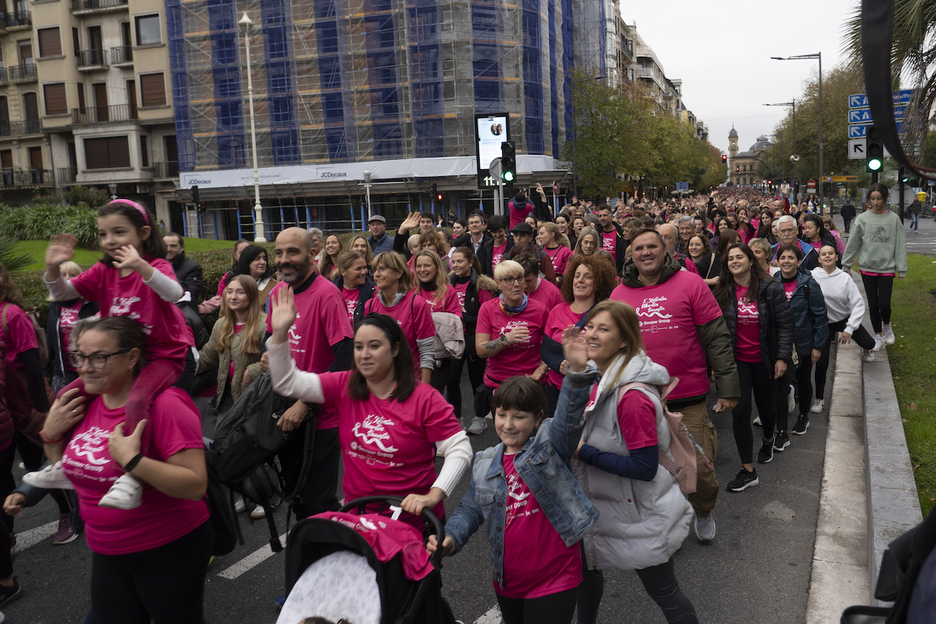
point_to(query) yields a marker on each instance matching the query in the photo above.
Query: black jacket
(465, 241)
(777, 323)
(472, 299)
(486, 255)
(189, 274)
(56, 364)
(848, 211)
(365, 292)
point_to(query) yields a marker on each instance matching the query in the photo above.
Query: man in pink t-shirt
(612, 240)
(537, 288)
(320, 340)
(682, 325)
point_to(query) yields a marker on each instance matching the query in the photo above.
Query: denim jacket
(544, 465)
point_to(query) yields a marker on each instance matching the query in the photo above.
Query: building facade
(744, 167)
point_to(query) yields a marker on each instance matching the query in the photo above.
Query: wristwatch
(503, 338)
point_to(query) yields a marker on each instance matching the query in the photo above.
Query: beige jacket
(209, 357)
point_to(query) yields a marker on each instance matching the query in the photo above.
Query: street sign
(811, 184)
(860, 116)
(860, 132)
(856, 149)
(860, 100)
(682, 186)
(844, 178)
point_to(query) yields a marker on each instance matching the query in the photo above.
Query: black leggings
(476, 367)
(861, 336)
(440, 375)
(552, 609)
(164, 584)
(804, 381)
(757, 380)
(878, 288)
(660, 583)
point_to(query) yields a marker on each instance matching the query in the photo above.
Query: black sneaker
(781, 440)
(802, 424)
(11, 593)
(765, 454)
(743, 480)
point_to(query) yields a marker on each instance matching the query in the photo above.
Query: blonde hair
(70, 267)
(441, 277)
(368, 253)
(506, 267)
(395, 262)
(557, 236)
(251, 342)
(628, 325)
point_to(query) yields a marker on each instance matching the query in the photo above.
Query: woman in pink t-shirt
(556, 246)
(149, 563)
(132, 279)
(390, 424)
(433, 286)
(355, 285)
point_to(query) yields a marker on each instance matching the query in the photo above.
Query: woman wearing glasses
(162, 547)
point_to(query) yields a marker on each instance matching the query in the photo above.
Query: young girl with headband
(132, 279)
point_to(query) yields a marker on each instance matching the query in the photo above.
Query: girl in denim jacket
(536, 512)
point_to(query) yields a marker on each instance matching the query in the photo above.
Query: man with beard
(320, 340)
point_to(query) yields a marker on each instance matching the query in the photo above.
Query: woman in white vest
(643, 515)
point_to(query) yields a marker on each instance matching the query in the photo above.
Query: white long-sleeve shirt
(842, 298)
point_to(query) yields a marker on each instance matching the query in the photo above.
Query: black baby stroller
(402, 601)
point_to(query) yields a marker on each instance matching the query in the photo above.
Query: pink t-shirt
(547, 295)
(169, 337)
(636, 417)
(322, 321)
(669, 315)
(607, 243)
(413, 316)
(690, 265)
(817, 245)
(747, 342)
(173, 426)
(521, 358)
(461, 291)
(351, 300)
(449, 302)
(871, 274)
(68, 318)
(517, 215)
(560, 317)
(789, 288)
(223, 284)
(20, 335)
(387, 446)
(536, 561)
(560, 257)
(498, 255)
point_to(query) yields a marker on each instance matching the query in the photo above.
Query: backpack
(37, 328)
(683, 447)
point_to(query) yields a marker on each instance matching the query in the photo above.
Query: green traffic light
(874, 164)
(508, 176)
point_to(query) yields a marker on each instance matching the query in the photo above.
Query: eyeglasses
(510, 281)
(97, 360)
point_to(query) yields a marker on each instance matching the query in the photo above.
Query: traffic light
(434, 192)
(737, 170)
(874, 151)
(724, 159)
(908, 178)
(508, 162)
(195, 196)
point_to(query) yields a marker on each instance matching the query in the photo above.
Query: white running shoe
(817, 405)
(889, 338)
(867, 355)
(878, 342)
(126, 493)
(52, 477)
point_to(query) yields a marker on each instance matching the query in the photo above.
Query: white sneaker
(867, 355)
(258, 513)
(240, 505)
(52, 477)
(889, 338)
(817, 405)
(878, 342)
(126, 493)
(757, 422)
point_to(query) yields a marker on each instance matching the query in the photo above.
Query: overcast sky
(721, 50)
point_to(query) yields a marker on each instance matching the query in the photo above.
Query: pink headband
(133, 204)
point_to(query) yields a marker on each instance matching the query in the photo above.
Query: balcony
(85, 7)
(91, 60)
(67, 175)
(121, 55)
(165, 170)
(20, 128)
(25, 178)
(18, 20)
(101, 114)
(21, 73)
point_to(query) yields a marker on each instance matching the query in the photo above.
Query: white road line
(30, 538)
(491, 617)
(253, 559)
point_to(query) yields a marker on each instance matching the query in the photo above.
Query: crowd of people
(552, 319)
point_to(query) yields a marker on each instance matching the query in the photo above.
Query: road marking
(30, 538)
(253, 559)
(491, 617)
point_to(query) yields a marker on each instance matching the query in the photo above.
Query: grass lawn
(86, 257)
(913, 364)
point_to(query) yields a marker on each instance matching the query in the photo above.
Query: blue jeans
(914, 221)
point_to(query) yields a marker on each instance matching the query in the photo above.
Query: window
(107, 153)
(147, 30)
(144, 151)
(153, 89)
(50, 43)
(56, 102)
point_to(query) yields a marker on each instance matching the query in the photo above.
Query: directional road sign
(859, 116)
(856, 149)
(859, 132)
(682, 186)
(860, 100)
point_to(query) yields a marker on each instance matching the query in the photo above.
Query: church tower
(732, 142)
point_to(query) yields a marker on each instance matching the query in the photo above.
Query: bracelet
(48, 440)
(133, 462)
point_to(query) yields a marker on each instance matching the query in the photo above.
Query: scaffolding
(340, 81)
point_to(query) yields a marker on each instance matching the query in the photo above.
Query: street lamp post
(803, 57)
(246, 22)
(793, 104)
(367, 185)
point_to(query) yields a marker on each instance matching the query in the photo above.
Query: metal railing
(67, 175)
(88, 5)
(98, 114)
(121, 54)
(18, 18)
(168, 169)
(21, 72)
(92, 58)
(17, 128)
(13, 178)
